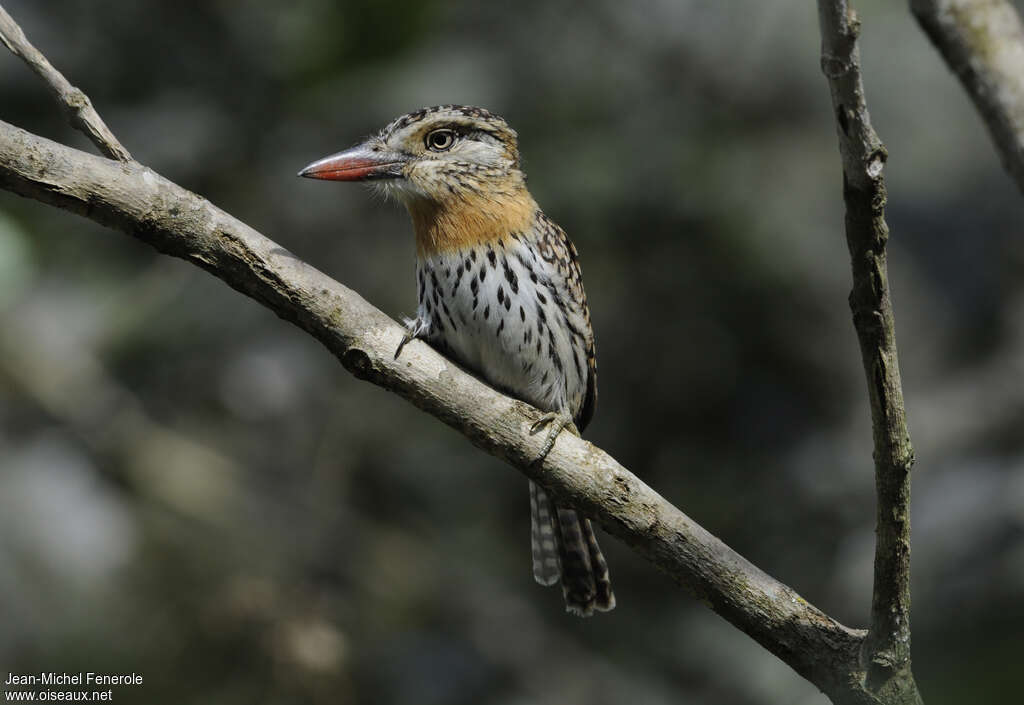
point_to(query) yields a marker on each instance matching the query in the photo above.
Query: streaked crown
(478, 136)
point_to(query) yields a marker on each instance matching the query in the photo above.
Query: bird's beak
(370, 160)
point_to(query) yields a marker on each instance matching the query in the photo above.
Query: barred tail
(542, 537)
(564, 546)
(604, 601)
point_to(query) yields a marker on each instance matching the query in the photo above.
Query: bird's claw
(405, 339)
(414, 328)
(556, 420)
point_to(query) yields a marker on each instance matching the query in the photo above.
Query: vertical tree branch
(886, 651)
(982, 41)
(75, 103)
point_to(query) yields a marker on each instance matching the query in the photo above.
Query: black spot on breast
(552, 353)
(487, 312)
(501, 327)
(527, 264)
(492, 257)
(511, 278)
(483, 274)
(501, 295)
(540, 297)
(474, 286)
(522, 314)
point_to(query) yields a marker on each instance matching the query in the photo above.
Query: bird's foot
(414, 328)
(556, 421)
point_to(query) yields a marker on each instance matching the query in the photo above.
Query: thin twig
(76, 104)
(887, 649)
(982, 41)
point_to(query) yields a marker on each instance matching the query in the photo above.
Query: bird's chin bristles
(395, 190)
(411, 195)
(386, 189)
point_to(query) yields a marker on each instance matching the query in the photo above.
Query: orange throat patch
(465, 221)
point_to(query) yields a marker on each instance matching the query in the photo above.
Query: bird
(499, 291)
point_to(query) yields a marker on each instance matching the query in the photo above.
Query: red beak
(361, 163)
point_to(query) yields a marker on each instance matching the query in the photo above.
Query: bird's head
(438, 155)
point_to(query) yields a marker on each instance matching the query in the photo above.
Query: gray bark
(982, 41)
(886, 651)
(76, 104)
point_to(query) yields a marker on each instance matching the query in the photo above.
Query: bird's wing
(560, 252)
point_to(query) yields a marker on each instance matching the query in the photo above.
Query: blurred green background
(194, 490)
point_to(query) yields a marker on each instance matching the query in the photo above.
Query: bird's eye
(440, 140)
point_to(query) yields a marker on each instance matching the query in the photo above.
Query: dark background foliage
(194, 490)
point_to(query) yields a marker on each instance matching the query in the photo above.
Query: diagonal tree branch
(132, 198)
(982, 41)
(886, 652)
(75, 103)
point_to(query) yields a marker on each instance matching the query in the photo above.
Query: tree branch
(886, 651)
(982, 41)
(134, 199)
(76, 104)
